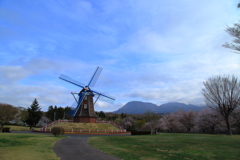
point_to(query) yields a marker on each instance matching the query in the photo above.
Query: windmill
(83, 107)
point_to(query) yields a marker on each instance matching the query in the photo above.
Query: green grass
(27, 146)
(170, 146)
(19, 128)
(85, 126)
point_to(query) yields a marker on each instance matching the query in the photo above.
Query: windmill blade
(79, 103)
(95, 76)
(71, 110)
(70, 80)
(104, 97)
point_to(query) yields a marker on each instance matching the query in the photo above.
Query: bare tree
(234, 32)
(7, 113)
(223, 95)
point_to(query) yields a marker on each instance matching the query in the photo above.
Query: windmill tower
(83, 107)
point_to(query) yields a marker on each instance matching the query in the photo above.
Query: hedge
(140, 132)
(6, 129)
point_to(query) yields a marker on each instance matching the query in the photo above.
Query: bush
(140, 132)
(56, 131)
(6, 129)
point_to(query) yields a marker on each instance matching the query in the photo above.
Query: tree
(170, 122)
(7, 113)
(187, 119)
(128, 123)
(21, 115)
(223, 95)
(34, 114)
(234, 32)
(207, 120)
(152, 120)
(139, 123)
(50, 113)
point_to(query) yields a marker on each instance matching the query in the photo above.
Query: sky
(151, 51)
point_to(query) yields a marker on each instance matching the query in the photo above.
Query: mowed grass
(85, 126)
(19, 128)
(15, 146)
(170, 146)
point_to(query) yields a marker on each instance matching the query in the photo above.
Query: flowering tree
(187, 119)
(170, 123)
(207, 119)
(128, 123)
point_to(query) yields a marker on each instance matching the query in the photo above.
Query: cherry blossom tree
(207, 119)
(170, 123)
(187, 119)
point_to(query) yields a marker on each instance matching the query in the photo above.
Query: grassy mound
(19, 128)
(85, 126)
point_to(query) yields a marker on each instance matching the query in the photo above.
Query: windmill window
(85, 106)
(85, 98)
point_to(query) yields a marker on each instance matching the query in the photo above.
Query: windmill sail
(70, 80)
(95, 76)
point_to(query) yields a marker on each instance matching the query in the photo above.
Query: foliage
(21, 116)
(34, 114)
(101, 115)
(139, 124)
(56, 113)
(170, 146)
(27, 146)
(152, 120)
(7, 113)
(223, 95)
(56, 131)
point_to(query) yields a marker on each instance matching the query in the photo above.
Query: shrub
(56, 131)
(140, 132)
(6, 129)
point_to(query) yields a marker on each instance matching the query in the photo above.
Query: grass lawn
(15, 146)
(85, 126)
(170, 146)
(19, 128)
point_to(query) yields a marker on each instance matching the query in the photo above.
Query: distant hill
(138, 107)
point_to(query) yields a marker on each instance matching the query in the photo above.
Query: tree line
(221, 94)
(30, 116)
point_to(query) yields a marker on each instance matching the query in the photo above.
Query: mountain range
(138, 107)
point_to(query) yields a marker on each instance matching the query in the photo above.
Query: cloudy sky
(151, 51)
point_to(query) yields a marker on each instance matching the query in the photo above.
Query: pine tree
(34, 114)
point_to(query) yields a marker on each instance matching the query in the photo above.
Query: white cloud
(157, 51)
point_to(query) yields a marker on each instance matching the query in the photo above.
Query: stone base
(85, 119)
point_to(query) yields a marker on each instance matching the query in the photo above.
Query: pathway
(78, 149)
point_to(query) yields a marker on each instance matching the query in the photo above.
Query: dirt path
(78, 149)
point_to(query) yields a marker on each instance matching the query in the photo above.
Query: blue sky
(151, 51)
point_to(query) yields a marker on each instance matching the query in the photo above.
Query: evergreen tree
(34, 114)
(50, 113)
